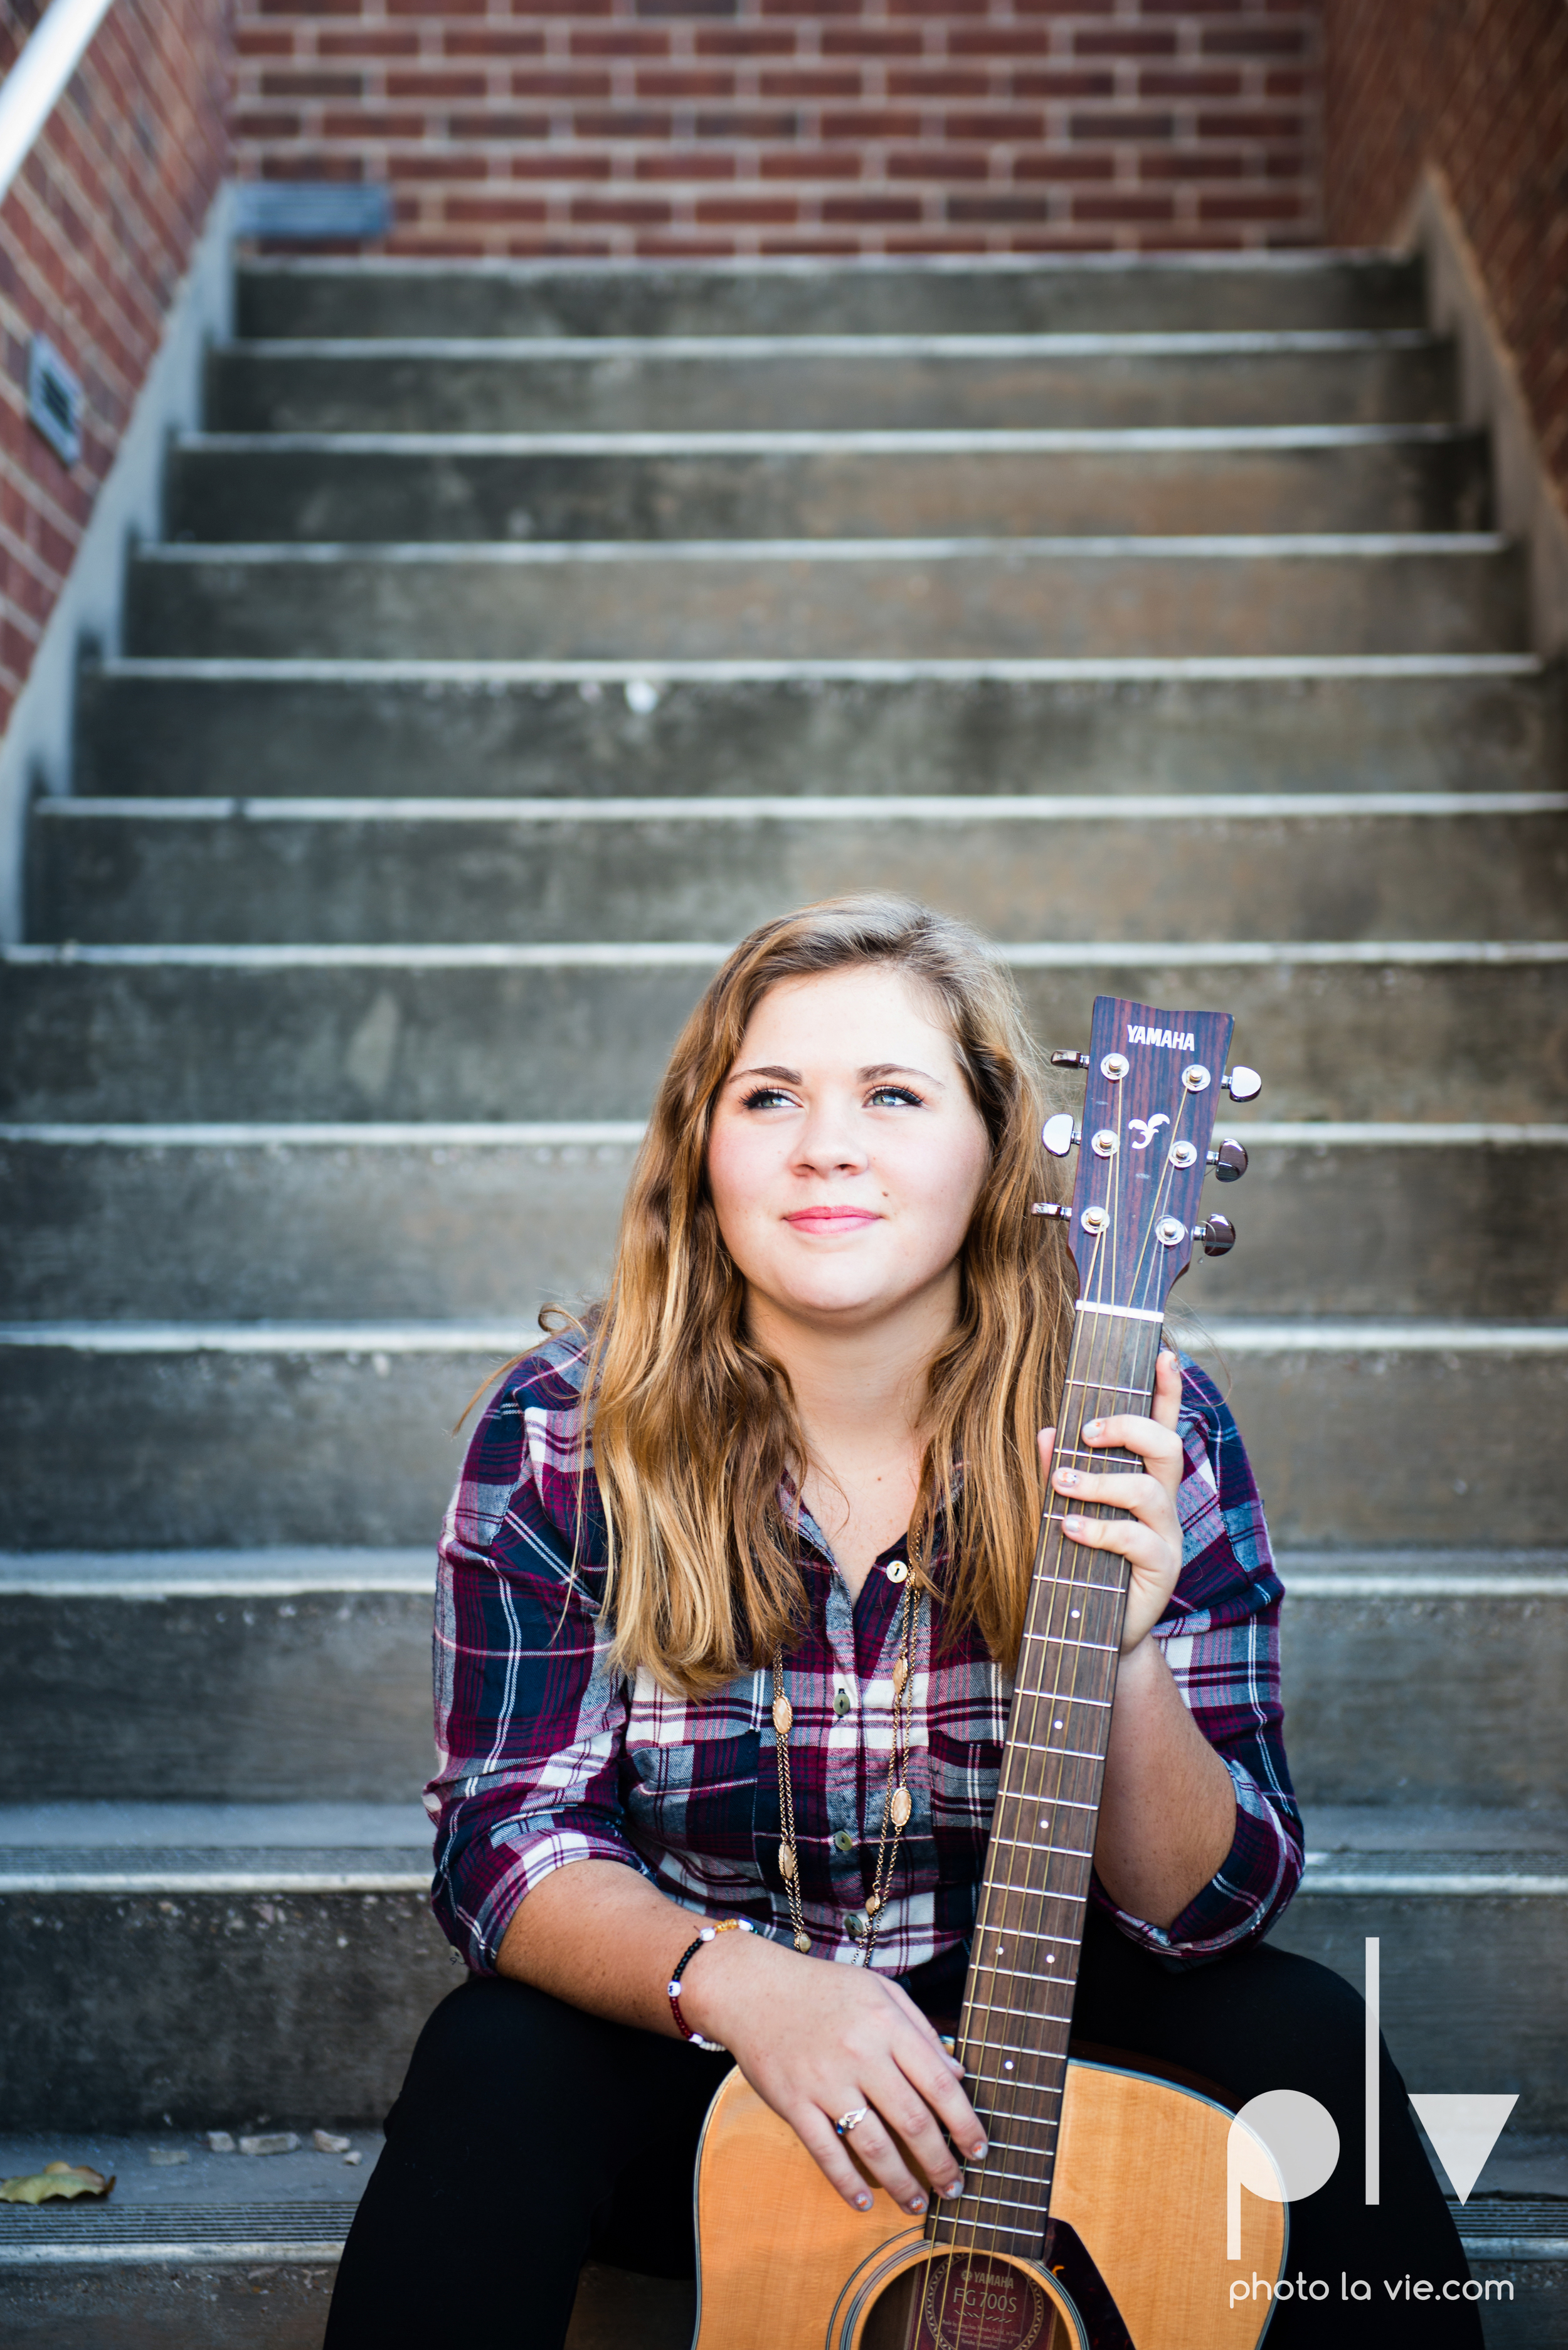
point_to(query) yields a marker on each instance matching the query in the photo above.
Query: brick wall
(1477, 89)
(94, 237)
(726, 127)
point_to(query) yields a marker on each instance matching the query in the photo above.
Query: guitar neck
(1023, 1966)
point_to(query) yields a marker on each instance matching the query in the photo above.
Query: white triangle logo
(1464, 2130)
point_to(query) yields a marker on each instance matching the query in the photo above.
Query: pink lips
(831, 1220)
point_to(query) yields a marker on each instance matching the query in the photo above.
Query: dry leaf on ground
(69, 2179)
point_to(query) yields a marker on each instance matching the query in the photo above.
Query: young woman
(819, 1393)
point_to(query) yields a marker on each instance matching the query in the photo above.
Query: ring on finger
(851, 2120)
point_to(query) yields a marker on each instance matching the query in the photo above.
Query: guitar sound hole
(964, 2301)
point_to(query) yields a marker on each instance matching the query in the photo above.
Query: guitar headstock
(1154, 1081)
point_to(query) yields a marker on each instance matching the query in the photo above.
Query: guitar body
(1138, 2201)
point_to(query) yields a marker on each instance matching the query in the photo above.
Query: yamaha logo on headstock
(1149, 1112)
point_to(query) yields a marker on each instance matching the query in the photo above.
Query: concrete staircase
(523, 634)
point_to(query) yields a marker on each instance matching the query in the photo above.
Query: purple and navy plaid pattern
(544, 1756)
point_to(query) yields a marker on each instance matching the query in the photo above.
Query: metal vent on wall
(312, 211)
(54, 399)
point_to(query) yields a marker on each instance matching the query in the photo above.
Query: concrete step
(1480, 721)
(909, 598)
(299, 1934)
(167, 1912)
(602, 383)
(287, 1675)
(1293, 866)
(377, 487)
(150, 2273)
(1468, 1907)
(137, 1427)
(966, 294)
(1425, 1029)
(133, 1222)
(1478, 1641)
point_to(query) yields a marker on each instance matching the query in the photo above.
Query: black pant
(529, 2137)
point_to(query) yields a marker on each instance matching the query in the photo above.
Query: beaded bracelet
(730, 1926)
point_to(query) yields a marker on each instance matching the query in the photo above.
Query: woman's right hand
(816, 2040)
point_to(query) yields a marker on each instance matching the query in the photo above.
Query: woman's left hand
(1149, 1537)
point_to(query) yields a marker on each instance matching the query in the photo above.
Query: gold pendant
(873, 1904)
(783, 1716)
(787, 1863)
(903, 1803)
(803, 1943)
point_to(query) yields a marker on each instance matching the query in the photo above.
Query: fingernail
(916, 2203)
(1091, 1428)
(979, 2150)
(1067, 1477)
(863, 2203)
(1076, 1525)
(952, 2185)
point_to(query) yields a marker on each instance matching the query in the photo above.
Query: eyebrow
(865, 1076)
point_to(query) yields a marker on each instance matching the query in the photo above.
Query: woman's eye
(763, 1097)
(900, 1096)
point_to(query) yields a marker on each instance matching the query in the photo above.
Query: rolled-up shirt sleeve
(529, 1720)
(1220, 1636)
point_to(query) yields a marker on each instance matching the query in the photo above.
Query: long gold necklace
(897, 1802)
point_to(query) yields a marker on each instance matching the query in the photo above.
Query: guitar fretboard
(1023, 1964)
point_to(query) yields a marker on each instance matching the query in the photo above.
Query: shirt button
(844, 1840)
(856, 1924)
(896, 1571)
(841, 1702)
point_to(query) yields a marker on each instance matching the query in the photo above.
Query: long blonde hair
(694, 1434)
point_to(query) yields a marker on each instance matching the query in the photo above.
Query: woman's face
(846, 1153)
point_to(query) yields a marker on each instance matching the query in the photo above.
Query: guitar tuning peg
(1230, 1161)
(1069, 1060)
(1243, 1083)
(1048, 1207)
(1218, 1235)
(1059, 1134)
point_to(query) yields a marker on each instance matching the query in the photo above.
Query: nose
(829, 1143)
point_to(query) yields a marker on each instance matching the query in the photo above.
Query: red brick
(621, 122)
(1121, 128)
(759, 212)
(250, 124)
(311, 84)
(365, 43)
(1010, 128)
(1107, 42)
(436, 85)
(1030, 84)
(1121, 209)
(1054, 164)
(473, 210)
(745, 41)
(738, 124)
(870, 41)
(1190, 163)
(560, 162)
(998, 41)
(622, 41)
(1177, 81)
(1252, 207)
(371, 122)
(939, 163)
(676, 85)
(491, 41)
(424, 165)
(810, 163)
(803, 82)
(979, 210)
(629, 211)
(1239, 125)
(937, 81)
(549, 82)
(1252, 41)
(872, 122)
(675, 164)
(500, 123)
(870, 209)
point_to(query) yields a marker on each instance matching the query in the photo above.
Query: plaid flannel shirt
(546, 1756)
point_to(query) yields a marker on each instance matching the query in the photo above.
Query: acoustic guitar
(1098, 2219)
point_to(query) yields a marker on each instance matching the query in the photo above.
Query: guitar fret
(1077, 1754)
(1022, 1974)
(1017, 2048)
(1062, 1640)
(1007, 2202)
(1001, 2227)
(1024, 1843)
(1027, 1933)
(1106, 1387)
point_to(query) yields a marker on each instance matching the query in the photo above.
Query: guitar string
(1007, 2114)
